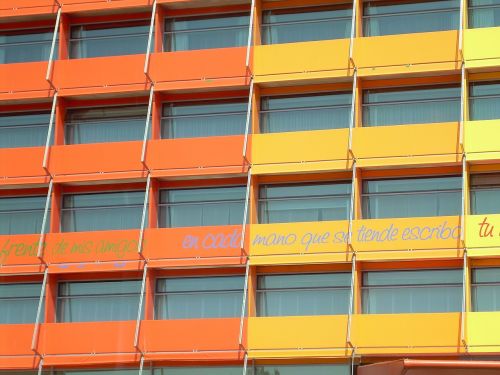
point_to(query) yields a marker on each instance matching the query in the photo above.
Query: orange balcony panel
(211, 155)
(71, 6)
(194, 246)
(15, 346)
(24, 8)
(407, 53)
(19, 250)
(24, 81)
(27, 168)
(192, 338)
(97, 159)
(200, 69)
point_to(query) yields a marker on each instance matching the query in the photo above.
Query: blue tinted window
(22, 215)
(403, 17)
(204, 119)
(102, 211)
(305, 112)
(200, 370)
(19, 302)
(26, 45)
(485, 193)
(484, 100)
(202, 206)
(328, 369)
(199, 297)
(27, 129)
(486, 289)
(121, 38)
(304, 202)
(484, 13)
(309, 24)
(412, 197)
(415, 291)
(193, 33)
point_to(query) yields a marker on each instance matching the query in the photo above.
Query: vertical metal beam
(44, 220)
(351, 207)
(464, 191)
(245, 364)
(34, 339)
(247, 123)
(250, 36)
(245, 210)
(244, 302)
(461, 28)
(351, 298)
(462, 106)
(53, 45)
(144, 211)
(352, 117)
(353, 358)
(150, 37)
(353, 29)
(40, 364)
(464, 299)
(49, 132)
(139, 310)
(146, 126)
(141, 364)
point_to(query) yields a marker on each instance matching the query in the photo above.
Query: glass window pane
(389, 17)
(107, 124)
(22, 215)
(193, 33)
(19, 302)
(484, 100)
(97, 40)
(120, 371)
(27, 129)
(202, 206)
(337, 369)
(305, 112)
(198, 370)
(411, 106)
(484, 13)
(300, 25)
(205, 119)
(26, 45)
(102, 211)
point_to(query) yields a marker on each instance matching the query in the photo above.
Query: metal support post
(40, 364)
(139, 310)
(245, 210)
(244, 302)
(351, 207)
(353, 359)
(146, 127)
(464, 300)
(44, 220)
(144, 213)
(464, 190)
(34, 339)
(250, 32)
(141, 364)
(461, 29)
(49, 132)
(462, 107)
(247, 123)
(245, 364)
(351, 299)
(353, 30)
(352, 118)
(150, 37)
(53, 44)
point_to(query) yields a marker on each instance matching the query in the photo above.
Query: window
(198, 370)
(485, 193)
(415, 291)
(202, 206)
(303, 294)
(329, 369)
(305, 112)
(199, 297)
(21, 215)
(102, 211)
(484, 13)
(27, 129)
(412, 197)
(106, 124)
(19, 302)
(109, 39)
(403, 17)
(203, 32)
(486, 289)
(204, 118)
(300, 25)
(94, 301)
(26, 45)
(484, 98)
(119, 371)
(304, 202)
(411, 105)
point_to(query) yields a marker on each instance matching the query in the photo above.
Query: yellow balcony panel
(483, 235)
(298, 243)
(406, 145)
(407, 238)
(408, 53)
(299, 152)
(407, 333)
(481, 139)
(297, 336)
(483, 332)
(319, 60)
(481, 48)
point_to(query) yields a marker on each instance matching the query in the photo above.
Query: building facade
(254, 187)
